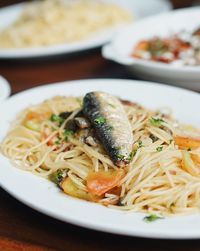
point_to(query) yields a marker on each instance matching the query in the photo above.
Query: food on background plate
(178, 49)
(52, 22)
(110, 151)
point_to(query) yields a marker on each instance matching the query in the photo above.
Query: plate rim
(5, 88)
(128, 80)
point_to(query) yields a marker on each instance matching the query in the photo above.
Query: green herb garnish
(156, 121)
(67, 134)
(56, 118)
(157, 47)
(120, 156)
(140, 144)
(131, 155)
(152, 217)
(159, 149)
(58, 142)
(100, 120)
(57, 176)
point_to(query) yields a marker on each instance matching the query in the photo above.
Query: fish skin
(115, 133)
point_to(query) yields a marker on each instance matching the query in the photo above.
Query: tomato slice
(185, 142)
(98, 183)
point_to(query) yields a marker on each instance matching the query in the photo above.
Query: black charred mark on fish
(106, 114)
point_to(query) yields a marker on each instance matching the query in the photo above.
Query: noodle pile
(155, 180)
(51, 22)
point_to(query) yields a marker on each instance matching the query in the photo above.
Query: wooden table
(25, 74)
(22, 228)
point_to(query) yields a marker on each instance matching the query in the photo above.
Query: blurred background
(87, 64)
(176, 3)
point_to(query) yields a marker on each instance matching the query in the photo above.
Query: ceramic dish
(139, 9)
(121, 47)
(45, 197)
(4, 88)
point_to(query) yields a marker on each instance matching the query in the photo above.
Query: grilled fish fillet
(107, 115)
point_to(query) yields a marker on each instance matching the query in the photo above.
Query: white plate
(45, 197)
(122, 46)
(139, 9)
(4, 88)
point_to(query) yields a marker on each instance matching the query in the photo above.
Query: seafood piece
(106, 114)
(81, 122)
(90, 141)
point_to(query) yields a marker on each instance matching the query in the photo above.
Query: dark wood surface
(22, 228)
(23, 74)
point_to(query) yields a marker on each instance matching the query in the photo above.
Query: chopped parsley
(57, 176)
(129, 158)
(156, 121)
(131, 155)
(67, 134)
(152, 218)
(159, 149)
(58, 142)
(140, 144)
(120, 156)
(56, 118)
(100, 120)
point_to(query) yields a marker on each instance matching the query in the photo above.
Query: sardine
(81, 122)
(108, 117)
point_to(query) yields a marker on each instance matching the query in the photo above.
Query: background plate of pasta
(118, 156)
(52, 27)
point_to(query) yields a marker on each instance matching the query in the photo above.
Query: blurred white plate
(44, 196)
(162, 25)
(139, 9)
(4, 88)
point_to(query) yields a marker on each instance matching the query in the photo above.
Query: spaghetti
(163, 176)
(52, 22)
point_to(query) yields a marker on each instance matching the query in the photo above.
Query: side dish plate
(138, 8)
(162, 25)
